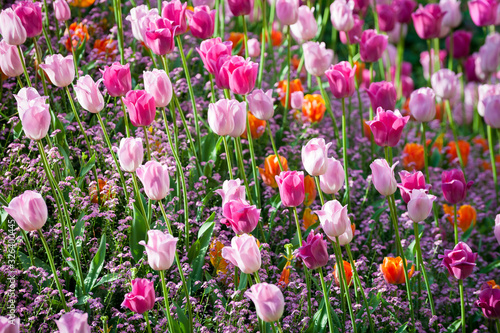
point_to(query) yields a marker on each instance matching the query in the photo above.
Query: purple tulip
(313, 251)
(460, 261)
(454, 186)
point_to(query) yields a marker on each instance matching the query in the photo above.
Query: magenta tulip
(386, 17)
(240, 7)
(73, 322)
(333, 218)
(30, 14)
(141, 107)
(460, 261)
(291, 187)
(10, 62)
(333, 179)
(461, 43)
(341, 79)
(59, 69)
(29, 210)
(411, 181)
(155, 179)
(161, 249)
(317, 58)
(201, 22)
(227, 117)
(268, 300)
(423, 104)
(157, 83)
(383, 177)
(11, 28)
(130, 154)
(261, 104)
(243, 253)
(427, 21)
(355, 32)
(232, 190)
(175, 11)
(372, 45)
(141, 298)
(387, 127)
(88, 94)
(210, 50)
(160, 36)
(117, 79)
(483, 12)
(489, 301)
(61, 10)
(306, 27)
(315, 156)
(341, 15)
(454, 186)
(404, 9)
(382, 94)
(313, 251)
(240, 216)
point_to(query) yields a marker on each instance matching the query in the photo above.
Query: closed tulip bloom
(88, 94)
(372, 45)
(11, 28)
(61, 10)
(317, 58)
(155, 179)
(117, 79)
(393, 270)
(489, 301)
(29, 210)
(306, 27)
(161, 249)
(243, 76)
(141, 107)
(260, 104)
(36, 121)
(315, 156)
(291, 187)
(313, 251)
(411, 181)
(483, 12)
(454, 186)
(241, 216)
(243, 253)
(210, 50)
(59, 69)
(201, 22)
(461, 43)
(427, 21)
(400, 31)
(487, 60)
(386, 16)
(140, 18)
(452, 14)
(73, 322)
(423, 104)
(160, 36)
(492, 111)
(232, 190)
(420, 205)
(253, 48)
(130, 154)
(387, 127)
(460, 261)
(404, 9)
(157, 83)
(445, 83)
(240, 7)
(341, 15)
(333, 218)
(287, 11)
(26, 98)
(268, 300)
(424, 61)
(209, 3)
(227, 117)
(10, 62)
(141, 298)
(383, 177)
(355, 33)
(6, 326)
(341, 79)
(382, 94)
(333, 179)
(485, 91)
(175, 11)
(297, 100)
(30, 14)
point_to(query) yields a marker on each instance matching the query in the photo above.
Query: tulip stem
(212, 89)
(125, 117)
(318, 187)
(329, 109)
(498, 325)
(141, 204)
(146, 319)
(493, 161)
(245, 35)
(327, 300)
(450, 55)
(228, 157)
(239, 154)
(54, 271)
(252, 157)
(262, 44)
(167, 303)
(280, 330)
(426, 167)
(436, 53)
(344, 156)
(429, 47)
(455, 226)
(72, 51)
(289, 64)
(462, 303)
(297, 223)
(148, 149)
(344, 288)
(274, 145)
(21, 57)
(455, 136)
(118, 16)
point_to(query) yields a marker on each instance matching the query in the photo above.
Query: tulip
(427, 21)
(341, 79)
(210, 50)
(424, 61)
(445, 83)
(117, 79)
(411, 181)
(397, 33)
(88, 94)
(59, 69)
(155, 179)
(243, 253)
(461, 43)
(487, 60)
(423, 104)
(420, 205)
(291, 187)
(241, 216)
(483, 12)
(61, 10)
(7, 325)
(306, 27)
(160, 36)
(454, 186)
(130, 154)
(347, 273)
(11, 28)
(237, 74)
(470, 69)
(272, 169)
(341, 15)
(297, 100)
(201, 22)
(287, 11)
(315, 156)
(460, 261)
(157, 83)
(489, 301)
(383, 177)
(313, 251)
(28, 97)
(268, 300)
(317, 58)
(485, 91)
(497, 228)
(310, 190)
(10, 62)
(161, 249)
(175, 11)
(209, 3)
(382, 94)
(452, 14)
(393, 270)
(140, 18)
(403, 9)
(372, 45)
(355, 32)
(29, 210)
(142, 296)
(30, 14)
(346, 237)
(492, 111)
(73, 322)
(253, 48)
(240, 7)
(141, 107)
(386, 17)
(261, 104)
(333, 179)
(232, 190)
(333, 218)
(387, 127)
(36, 121)
(227, 117)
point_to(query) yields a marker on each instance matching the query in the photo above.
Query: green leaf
(18, 130)
(96, 265)
(78, 231)
(64, 151)
(490, 267)
(182, 319)
(243, 281)
(107, 278)
(454, 326)
(85, 169)
(71, 263)
(137, 233)
(201, 246)
(402, 328)
(210, 144)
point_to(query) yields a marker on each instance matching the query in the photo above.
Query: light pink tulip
(11, 28)
(157, 83)
(232, 190)
(59, 69)
(317, 58)
(488, 59)
(452, 14)
(243, 253)
(315, 156)
(268, 300)
(6, 326)
(130, 154)
(140, 18)
(61, 10)
(423, 104)
(341, 15)
(210, 50)
(253, 48)
(424, 61)
(484, 91)
(261, 104)
(73, 322)
(287, 11)
(29, 210)
(383, 177)
(445, 83)
(492, 111)
(10, 62)
(227, 117)
(306, 27)
(88, 94)
(483, 12)
(161, 249)
(28, 97)
(160, 36)
(36, 121)
(497, 228)
(297, 100)
(155, 179)
(420, 205)
(333, 218)
(333, 179)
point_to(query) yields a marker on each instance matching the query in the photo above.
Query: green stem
(146, 319)
(243, 175)
(21, 57)
(429, 47)
(228, 157)
(492, 158)
(318, 187)
(252, 157)
(344, 155)
(280, 330)
(148, 149)
(399, 61)
(455, 225)
(167, 304)
(436, 53)
(118, 14)
(327, 300)
(343, 282)
(141, 204)
(274, 145)
(462, 303)
(262, 43)
(455, 136)
(450, 56)
(245, 35)
(125, 117)
(329, 109)
(426, 168)
(288, 90)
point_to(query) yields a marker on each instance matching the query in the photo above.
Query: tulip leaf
(243, 281)
(402, 328)
(18, 130)
(490, 267)
(64, 151)
(107, 278)
(201, 246)
(137, 233)
(454, 326)
(182, 319)
(85, 169)
(96, 265)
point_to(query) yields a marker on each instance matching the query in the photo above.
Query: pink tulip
(29, 210)
(227, 117)
(452, 14)
(454, 186)
(36, 121)
(291, 187)
(345, 238)
(253, 48)
(315, 156)
(232, 190)
(140, 18)
(489, 301)
(141, 298)
(420, 205)
(488, 60)
(61, 10)
(10, 62)
(240, 216)
(130, 154)
(287, 11)
(243, 253)
(427, 21)
(484, 91)
(483, 12)
(240, 7)
(445, 83)
(210, 50)
(237, 74)
(261, 104)
(461, 43)
(306, 27)
(73, 322)
(333, 218)
(201, 22)
(161, 249)
(30, 14)
(59, 69)
(341, 15)
(423, 104)
(317, 58)
(424, 61)
(11, 28)
(141, 107)
(313, 251)
(382, 94)
(460, 261)
(400, 30)
(497, 228)
(341, 79)
(160, 36)
(155, 179)
(157, 83)
(28, 97)
(297, 100)
(383, 177)
(404, 8)
(372, 45)
(88, 94)
(9, 326)
(411, 181)
(387, 127)
(492, 111)
(386, 17)
(209, 3)
(117, 79)
(175, 11)
(333, 179)
(355, 32)
(470, 69)
(268, 300)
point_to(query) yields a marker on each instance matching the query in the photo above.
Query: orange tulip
(466, 216)
(405, 110)
(393, 271)
(309, 218)
(366, 130)
(215, 252)
(272, 169)
(487, 164)
(285, 275)
(481, 142)
(295, 85)
(360, 67)
(464, 147)
(413, 156)
(105, 46)
(81, 3)
(295, 61)
(493, 284)
(347, 273)
(77, 34)
(104, 195)
(276, 37)
(313, 108)
(440, 110)
(257, 127)
(237, 38)
(311, 192)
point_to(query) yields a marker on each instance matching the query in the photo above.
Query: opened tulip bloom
(237, 74)
(372, 45)
(291, 187)
(341, 15)
(59, 69)
(423, 104)
(333, 178)
(240, 216)
(411, 181)
(11, 28)
(317, 58)
(227, 117)
(427, 21)
(73, 322)
(210, 50)
(175, 11)
(161, 248)
(232, 190)
(29, 210)
(160, 36)
(10, 62)
(117, 79)
(382, 94)
(306, 27)
(130, 154)
(30, 14)
(387, 127)
(489, 301)
(36, 121)
(333, 218)
(88, 94)
(260, 103)
(315, 156)
(141, 298)
(140, 17)
(26, 98)
(155, 179)
(420, 205)
(313, 251)
(383, 177)
(141, 107)
(445, 83)
(460, 261)
(341, 79)
(454, 186)
(393, 270)
(201, 22)
(243, 253)
(268, 300)
(157, 83)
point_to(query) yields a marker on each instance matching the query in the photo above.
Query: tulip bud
(243, 253)
(427, 21)
(410, 182)
(140, 18)
(7, 325)
(210, 50)
(393, 270)
(445, 83)
(460, 261)
(341, 79)
(61, 10)
(161, 249)
(88, 94)
(497, 228)
(489, 301)
(155, 179)
(386, 17)
(117, 79)
(423, 104)
(130, 154)
(227, 117)
(10, 62)
(261, 104)
(240, 7)
(59, 69)
(291, 187)
(201, 22)
(306, 27)
(372, 45)
(341, 15)
(297, 100)
(387, 127)
(492, 111)
(354, 34)
(383, 177)
(317, 58)
(313, 251)
(333, 179)
(160, 36)
(140, 107)
(404, 9)
(157, 83)
(241, 216)
(315, 156)
(232, 190)
(420, 205)
(141, 298)
(11, 28)
(29, 210)
(268, 300)
(36, 121)
(253, 48)
(452, 14)
(30, 14)
(73, 322)
(175, 11)
(382, 94)
(333, 218)
(483, 12)
(454, 186)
